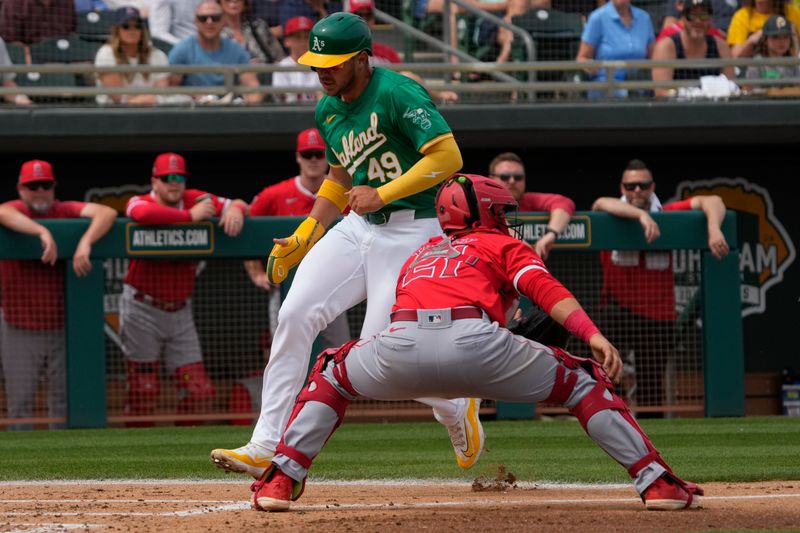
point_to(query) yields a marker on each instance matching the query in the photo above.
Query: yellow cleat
(467, 434)
(249, 459)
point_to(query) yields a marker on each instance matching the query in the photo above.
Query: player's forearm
(617, 207)
(16, 221)
(440, 162)
(102, 219)
(149, 213)
(325, 211)
(559, 218)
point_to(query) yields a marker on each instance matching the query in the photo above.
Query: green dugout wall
(720, 293)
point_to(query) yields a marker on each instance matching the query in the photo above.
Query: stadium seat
(64, 50)
(556, 35)
(95, 25)
(16, 52)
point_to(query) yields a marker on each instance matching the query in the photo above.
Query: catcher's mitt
(538, 326)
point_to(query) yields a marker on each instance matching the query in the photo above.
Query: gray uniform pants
(25, 353)
(462, 358)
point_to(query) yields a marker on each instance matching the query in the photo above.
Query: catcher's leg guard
(601, 398)
(143, 388)
(319, 410)
(195, 390)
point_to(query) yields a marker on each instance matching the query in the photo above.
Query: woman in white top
(129, 44)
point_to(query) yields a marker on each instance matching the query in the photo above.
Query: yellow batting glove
(285, 257)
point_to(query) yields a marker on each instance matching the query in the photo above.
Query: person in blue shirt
(208, 47)
(617, 30)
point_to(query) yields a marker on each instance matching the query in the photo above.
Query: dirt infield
(199, 506)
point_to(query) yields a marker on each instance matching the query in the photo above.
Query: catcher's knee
(143, 387)
(600, 397)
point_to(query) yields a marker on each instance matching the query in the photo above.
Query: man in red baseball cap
(32, 325)
(295, 38)
(155, 307)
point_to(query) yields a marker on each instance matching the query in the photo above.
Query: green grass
(733, 449)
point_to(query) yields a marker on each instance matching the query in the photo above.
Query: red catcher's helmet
(468, 200)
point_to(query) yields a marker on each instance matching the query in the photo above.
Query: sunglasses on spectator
(173, 178)
(39, 185)
(312, 154)
(643, 185)
(209, 18)
(133, 25)
(702, 17)
(509, 176)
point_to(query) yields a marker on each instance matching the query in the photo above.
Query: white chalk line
(238, 506)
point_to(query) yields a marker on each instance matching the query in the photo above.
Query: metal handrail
(434, 42)
(530, 47)
(231, 71)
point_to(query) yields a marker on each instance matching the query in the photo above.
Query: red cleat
(668, 493)
(275, 491)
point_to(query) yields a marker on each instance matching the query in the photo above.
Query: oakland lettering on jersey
(354, 143)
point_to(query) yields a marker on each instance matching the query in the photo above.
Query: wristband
(548, 229)
(334, 192)
(240, 207)
(579, 324)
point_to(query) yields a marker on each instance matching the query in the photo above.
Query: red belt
(164, 305)
(456, 313)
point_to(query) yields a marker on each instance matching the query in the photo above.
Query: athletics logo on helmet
(469, 200)
(335, 39)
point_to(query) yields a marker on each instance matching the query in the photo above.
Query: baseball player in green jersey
(389, 149)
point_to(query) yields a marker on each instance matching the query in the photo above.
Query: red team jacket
(32, 292)
(486, 269)
(645, 292)
(165, 280)
(285, 198)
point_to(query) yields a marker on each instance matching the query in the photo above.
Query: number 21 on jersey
(439, 266)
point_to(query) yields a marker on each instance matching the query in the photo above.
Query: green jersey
(381, 134)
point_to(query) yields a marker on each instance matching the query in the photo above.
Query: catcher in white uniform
(389, 149)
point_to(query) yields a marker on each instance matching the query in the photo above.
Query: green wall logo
(765, 248)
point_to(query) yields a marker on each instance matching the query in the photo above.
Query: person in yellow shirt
(745, 29)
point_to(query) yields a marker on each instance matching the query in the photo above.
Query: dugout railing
(716, 366)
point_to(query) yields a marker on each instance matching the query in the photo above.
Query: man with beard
(32, 325)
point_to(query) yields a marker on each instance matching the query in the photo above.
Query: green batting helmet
(335, 39)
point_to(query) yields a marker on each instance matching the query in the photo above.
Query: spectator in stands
(251, 33)
(156, 308)
(637, 301)
(208, 47)
(267, 10)
(295, 37)
(32, 324)
(721, 14)
(129, 44)
(509, 170)
(691, 42)
(7, 78)
(778, 39)
(745, 29)
(384, 54)
(172, 20)
(31, 21)
(617, 30)
(313, 9)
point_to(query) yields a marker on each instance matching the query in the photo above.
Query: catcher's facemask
(468, 201)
